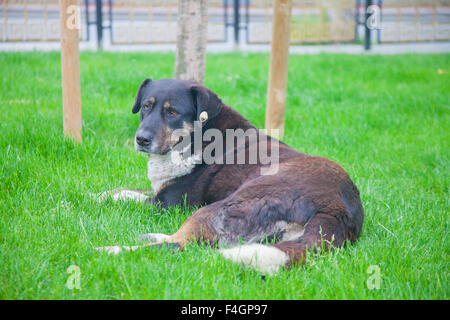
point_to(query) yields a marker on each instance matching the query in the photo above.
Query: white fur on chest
(164, 168)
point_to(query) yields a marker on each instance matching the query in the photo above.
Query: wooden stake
(278, 73)
(70, 68)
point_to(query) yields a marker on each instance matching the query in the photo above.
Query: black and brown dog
(308, 202)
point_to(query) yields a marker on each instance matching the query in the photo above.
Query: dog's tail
(321, 233)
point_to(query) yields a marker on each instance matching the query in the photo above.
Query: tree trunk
(190, 58)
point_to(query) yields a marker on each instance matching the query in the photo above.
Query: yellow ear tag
(203, 116)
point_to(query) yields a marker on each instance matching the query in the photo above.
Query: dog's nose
(143, 141)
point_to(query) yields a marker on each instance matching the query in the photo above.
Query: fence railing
(415, 21)
(320, 21)
(33, 20)
(248, 21)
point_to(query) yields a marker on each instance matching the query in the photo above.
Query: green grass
(384, 118)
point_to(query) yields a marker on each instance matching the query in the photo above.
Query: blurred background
(127, 24)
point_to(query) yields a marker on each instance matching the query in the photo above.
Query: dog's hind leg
(326, 229)
(196, 228)
(329, 228)
(137, 195)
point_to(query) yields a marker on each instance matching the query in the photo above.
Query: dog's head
(167, 105)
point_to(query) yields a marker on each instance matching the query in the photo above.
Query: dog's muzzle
(143, 141)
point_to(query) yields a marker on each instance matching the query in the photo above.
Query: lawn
(385, 119)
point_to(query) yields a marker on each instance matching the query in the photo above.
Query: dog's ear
(207, 103)
(137, 100)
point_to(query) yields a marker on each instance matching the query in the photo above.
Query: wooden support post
(70, 68)
(278, 73)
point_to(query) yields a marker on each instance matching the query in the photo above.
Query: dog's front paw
(120, 194)
(102, 196)
(153, 237)
(115, 250)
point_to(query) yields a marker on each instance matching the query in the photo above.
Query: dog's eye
(172, 112)
(147, 107)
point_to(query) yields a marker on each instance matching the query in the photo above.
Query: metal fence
(139, 21)
(415, 21)
(249, 21)
(312, 21)
(33, 20)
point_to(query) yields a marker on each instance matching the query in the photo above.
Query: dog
(259, 214)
